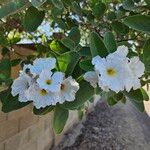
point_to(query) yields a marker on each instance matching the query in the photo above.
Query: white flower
(92, 77)
(117, 72)
(69, 87)
(136, 66)
(40, 64)
(20, 86)
(50, 82)
(40, 97)
(113, 71)
(122, 51)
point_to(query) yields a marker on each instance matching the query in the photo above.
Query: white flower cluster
(116, 72)
(38, 83)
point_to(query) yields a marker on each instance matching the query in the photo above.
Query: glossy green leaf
(128, 5)
(76, 8)
(86, 65)
(56, 11)
(74, 35)
(97, 46)
(109, 41)
(85, 51)
(5, 67)
(67, 2)
(111, 101)
(120, 28)
(145, 95)
(42, 111)
(60, 119)
(146, 55)
(33, 18)
(111, 15)
(61, 23)
(68, 43)
(80, 114)
(99, 9)
(58, 4)
(138, 22)
(68, 61)
(12, 7)
(10, 103)
(37, 3)
(136, 97)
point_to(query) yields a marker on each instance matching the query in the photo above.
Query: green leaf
(136, 97)
(42, 111)
(128, 5)
(99, 9)
(15, 62)
(57, 46)
(60, 119)
(147, 2)
(86, 65)
(77, 72)
(56, 11)
(97, 46)
(10, 103)
(37, 3)
(109, 41)
(85, 51)
(68, 61)
(33, 18)
(146, 55)
(120, 28)
(138, 22)
(76, 8)
(61, 23)
(74, 35)
(5, 67)
(80, 114)
(111, 101)
(58, 4)
(12, 7)
(111, 15)
(67, 2)
(68, 43)
(85, 93)
(145, 95)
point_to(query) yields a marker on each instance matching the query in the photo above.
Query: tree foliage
(78, 31)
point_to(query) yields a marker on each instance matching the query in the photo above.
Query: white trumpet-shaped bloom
(49, 81)
(68, 89)
(41, 64)
(121, 52)
(92, 77)
(40, 97)
(20, 86)
(136, 66)
(117, 72)
(38, 83)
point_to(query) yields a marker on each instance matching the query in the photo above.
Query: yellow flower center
(111, 72)
(62, 86)
(43, 92)
(48, 81)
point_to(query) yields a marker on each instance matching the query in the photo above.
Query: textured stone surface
(120, 127)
